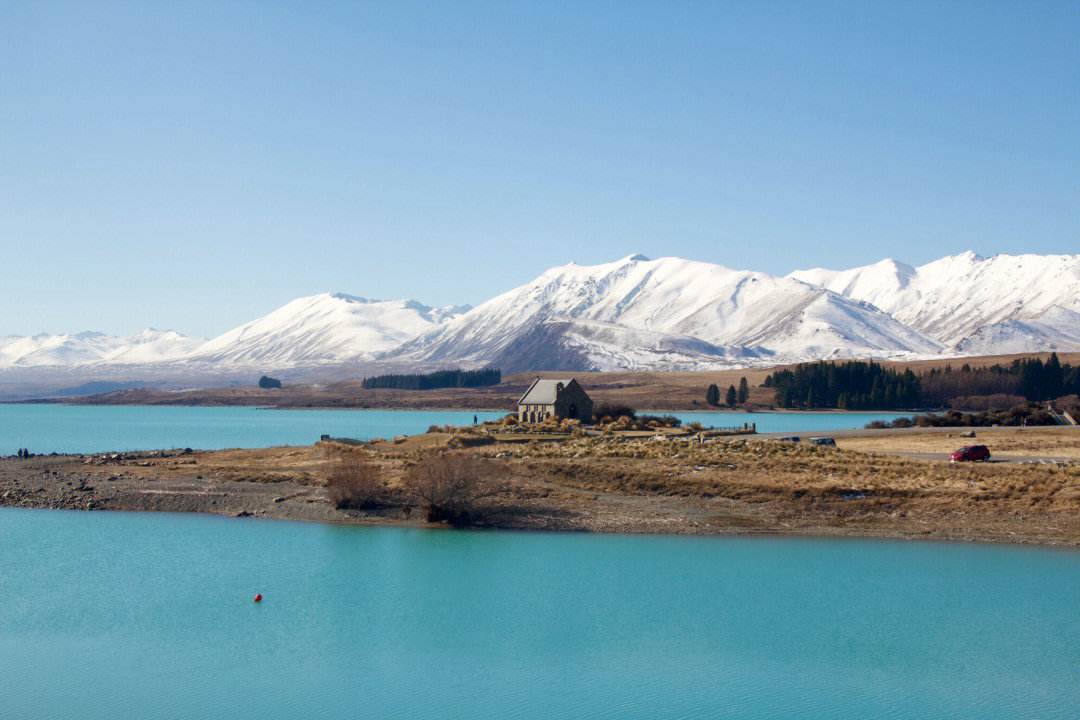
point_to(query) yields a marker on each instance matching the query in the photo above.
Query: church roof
(543, 391)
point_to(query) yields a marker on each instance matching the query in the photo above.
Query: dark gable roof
(543, 391)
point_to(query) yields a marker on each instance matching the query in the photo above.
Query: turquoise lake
(117, 616)
(98, 428)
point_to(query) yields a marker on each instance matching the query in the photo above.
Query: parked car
(826, 441)
(970, 453)
(788, 438)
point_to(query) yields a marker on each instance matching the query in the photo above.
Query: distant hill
(97, 387)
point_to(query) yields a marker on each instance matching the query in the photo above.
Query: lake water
(98, 428)
(119, 615)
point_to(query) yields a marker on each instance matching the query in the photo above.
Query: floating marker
(258, 597)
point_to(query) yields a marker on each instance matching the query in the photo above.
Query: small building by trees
(558, 398)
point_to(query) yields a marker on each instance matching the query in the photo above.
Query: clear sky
(192, 166)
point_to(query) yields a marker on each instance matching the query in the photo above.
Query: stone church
(555, 398)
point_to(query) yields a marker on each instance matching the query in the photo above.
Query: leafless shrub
(450, 486)
(354, 482)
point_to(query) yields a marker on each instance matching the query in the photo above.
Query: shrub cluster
(1019, 415)
(638, 422)
(608, 411)
(450, 486)
(355, 483)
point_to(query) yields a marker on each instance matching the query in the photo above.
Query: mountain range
(633, 313)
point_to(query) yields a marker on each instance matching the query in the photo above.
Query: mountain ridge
(953, 297)
(667, 313)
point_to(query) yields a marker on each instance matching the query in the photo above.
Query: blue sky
(191, 166)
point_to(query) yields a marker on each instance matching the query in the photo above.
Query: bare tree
(354, 482)
(449, 486)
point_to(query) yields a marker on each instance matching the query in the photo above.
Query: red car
(970, 453)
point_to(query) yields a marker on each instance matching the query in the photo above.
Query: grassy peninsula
(677, 482)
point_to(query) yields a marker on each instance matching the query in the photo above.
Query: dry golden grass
(823, 487)
(1026, 442)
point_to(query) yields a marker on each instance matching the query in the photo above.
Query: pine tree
(1053, 377)
(712, 395)
(732, 396)
(744, 391)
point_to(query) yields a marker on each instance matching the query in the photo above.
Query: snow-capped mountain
(320, 329)
(669, 312)
(634, 313)
(88, 348)
(309, 331)
(972, 304)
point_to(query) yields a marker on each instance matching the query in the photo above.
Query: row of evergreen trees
(852, 385)
(858, 385)
(1034, 379)
(732, 397)
(1047, 380)
(434, 380)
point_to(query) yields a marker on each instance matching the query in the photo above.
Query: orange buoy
(258, 597)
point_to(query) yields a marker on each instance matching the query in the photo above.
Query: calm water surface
(117, 616)
(97, 428)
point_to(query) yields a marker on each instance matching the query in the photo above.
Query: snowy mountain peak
(347, 297)
(661, 303)
(961, 300)
(868, 283)
(320, 329)
(968, 256)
